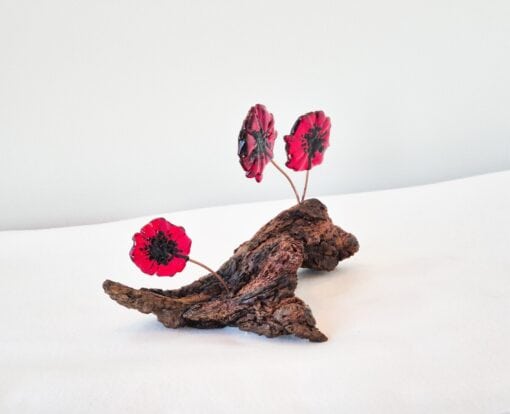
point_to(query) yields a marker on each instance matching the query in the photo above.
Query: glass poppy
(256, 141)
(160, 248)
(308, 140)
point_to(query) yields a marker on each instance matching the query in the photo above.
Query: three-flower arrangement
(162, 248)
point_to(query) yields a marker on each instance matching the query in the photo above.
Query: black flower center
(314, 141)
(262, 145)
(162, 249)
(261, 148)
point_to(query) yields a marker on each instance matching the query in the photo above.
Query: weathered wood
(262, 276)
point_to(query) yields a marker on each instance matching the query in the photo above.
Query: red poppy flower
(160, 248)
(256, 141)
(307, 141)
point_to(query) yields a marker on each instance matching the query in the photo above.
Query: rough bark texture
(262, 275)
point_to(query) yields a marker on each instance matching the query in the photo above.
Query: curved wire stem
(288, 178)
(306, 186)
(220, 279)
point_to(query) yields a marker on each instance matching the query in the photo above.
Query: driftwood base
(262, 275)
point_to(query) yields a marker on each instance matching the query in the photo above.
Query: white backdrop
(112, 109)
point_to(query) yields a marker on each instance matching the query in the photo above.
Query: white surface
(104, 103)
(418, 320)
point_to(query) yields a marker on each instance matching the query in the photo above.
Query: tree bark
(262, 276)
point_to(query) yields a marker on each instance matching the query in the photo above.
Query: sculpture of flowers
(305, 145)
(162, 248)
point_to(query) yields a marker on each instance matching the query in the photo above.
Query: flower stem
(306, 185)
(220, 279)
(288, 178)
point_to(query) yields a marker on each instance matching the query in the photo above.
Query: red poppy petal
(263, 117)
(160, 224)
(150, 267)
(184, 245)
(174, 266)
(140, 240)
(253, 172)
(246, 167)
(253, 123)
(298, 163)
(173, 231)
(146, 265)
(138, 251)
(326, 126)
(307, 122)
(297, 157)
(320, 116)
(182, 240)
(148, 230)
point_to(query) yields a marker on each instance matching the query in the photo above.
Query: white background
(418, 320)
(113, 109)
